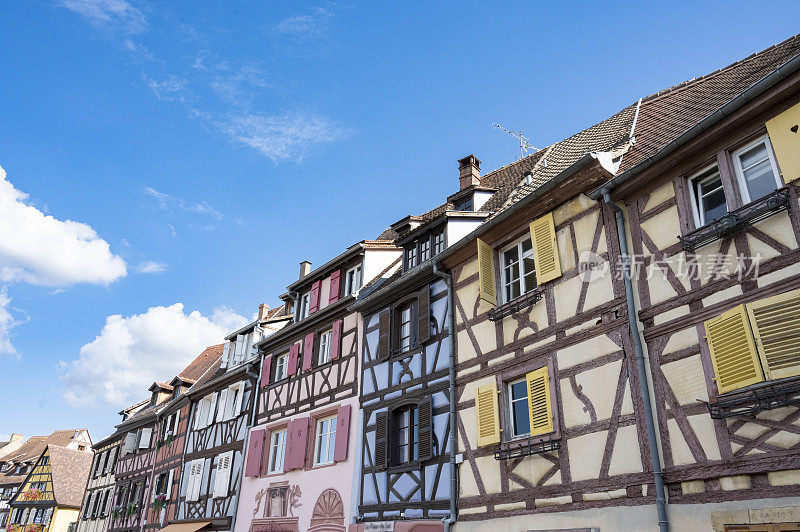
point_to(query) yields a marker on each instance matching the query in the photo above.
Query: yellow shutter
(539, 406)
(733, 352)
(486, 412)
(776, 327)
(545, 249)
(784, 134)
(486, 272)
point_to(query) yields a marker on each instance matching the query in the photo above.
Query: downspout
(644, 388)
(448, 277)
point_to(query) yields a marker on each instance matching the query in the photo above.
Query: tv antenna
(525, 146)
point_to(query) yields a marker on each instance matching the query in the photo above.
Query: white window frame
(303, 306)
(233, 401)
(281, 363)
(324, 355)
(353, 280)
(694, 181)
(503, 281)
(737, 166)
(222, 477)
(277, 451)
(329, 436)
(511, 402)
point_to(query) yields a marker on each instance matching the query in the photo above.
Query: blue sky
(169, 164)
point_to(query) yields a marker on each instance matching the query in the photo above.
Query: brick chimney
(469, 172)
(305, 268)
(263, 308)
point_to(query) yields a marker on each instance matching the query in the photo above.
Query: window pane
(519, 408)
(760, 179)
(530, 273)
(714, 206)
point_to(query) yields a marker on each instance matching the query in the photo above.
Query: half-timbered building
(301, 453)
(556, 423)
(19, 461)
(49, 499)
(220, 414)
(98, 498)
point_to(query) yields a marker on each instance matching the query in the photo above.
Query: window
(709, 197)
(406, 423)
(280, 367)
(324, 354)
(169, 425)
(756, 170)
(405, 328)
(519, 273)
(411, 256)
(438, 242)
(518, 408)
(424, 249)
(352, 283)
(325, 441)
(302, 309)
(756, 341)
(277, 451)
(464, 204)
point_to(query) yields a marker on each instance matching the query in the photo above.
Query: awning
(186, 527)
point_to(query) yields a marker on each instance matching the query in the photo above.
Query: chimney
(469, 172)
(305, 268)
(263, 308)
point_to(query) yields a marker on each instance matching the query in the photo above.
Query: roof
(33, 448)
(200, 365)
(665, 115)
(70, 469)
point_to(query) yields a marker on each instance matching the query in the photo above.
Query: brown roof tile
(203, 361)
(70, 469)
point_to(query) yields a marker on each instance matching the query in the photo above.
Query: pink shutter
(266, 367)
(308, 351)
(252, 467)
(336, 339)
(336, 278)
(296, 444)
(342, 433)
(314, 304)
(294, 351)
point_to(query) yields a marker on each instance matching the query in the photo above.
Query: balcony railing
(515, 305)
(734, 221)
(751, 401)
(518, 449)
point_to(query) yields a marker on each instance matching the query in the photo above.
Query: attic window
(528, 178)
(464, 204)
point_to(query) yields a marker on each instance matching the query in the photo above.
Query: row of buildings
(603, 335)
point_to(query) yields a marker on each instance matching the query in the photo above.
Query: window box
(730, 223)
(756, 398)
(516, 305)
(526, 447)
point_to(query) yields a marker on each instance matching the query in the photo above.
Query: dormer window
(352, 282)
(302, 309)
(411, 256)
(423, 248)
(464, 204)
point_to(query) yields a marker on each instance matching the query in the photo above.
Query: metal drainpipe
(661, 501)
(448, 277)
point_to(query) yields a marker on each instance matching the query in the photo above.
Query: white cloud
(305, 26)
(171, 89)
(109, 14)
(133, 351)
(290, 136)
(168, 203)
(39, 249)
(139, 51)
(151, 267)
(7, 323)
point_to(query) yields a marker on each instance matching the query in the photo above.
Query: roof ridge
(685, 84)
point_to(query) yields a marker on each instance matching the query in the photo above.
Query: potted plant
(160, 501)
(133, 507)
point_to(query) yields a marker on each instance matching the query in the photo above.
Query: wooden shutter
(266, 369)
(195, 479)
(237, 406)
(226, 352)
(313, 305)
(424, 315)
(540, 408)
(776, 327)
(212, 403)
(425, 429)
(144, 441)
(336, 339)
(223, 474)
(296, 444)
(486, 272)
(342, 433)
(384, 334)
(381, 440)
(255, 446)
(785, 138)
(222, 413)
(308, 351)
(486, 414)
(733, 352)
(130, 442)
(294, 353)
(336, 281)
(545, 249)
